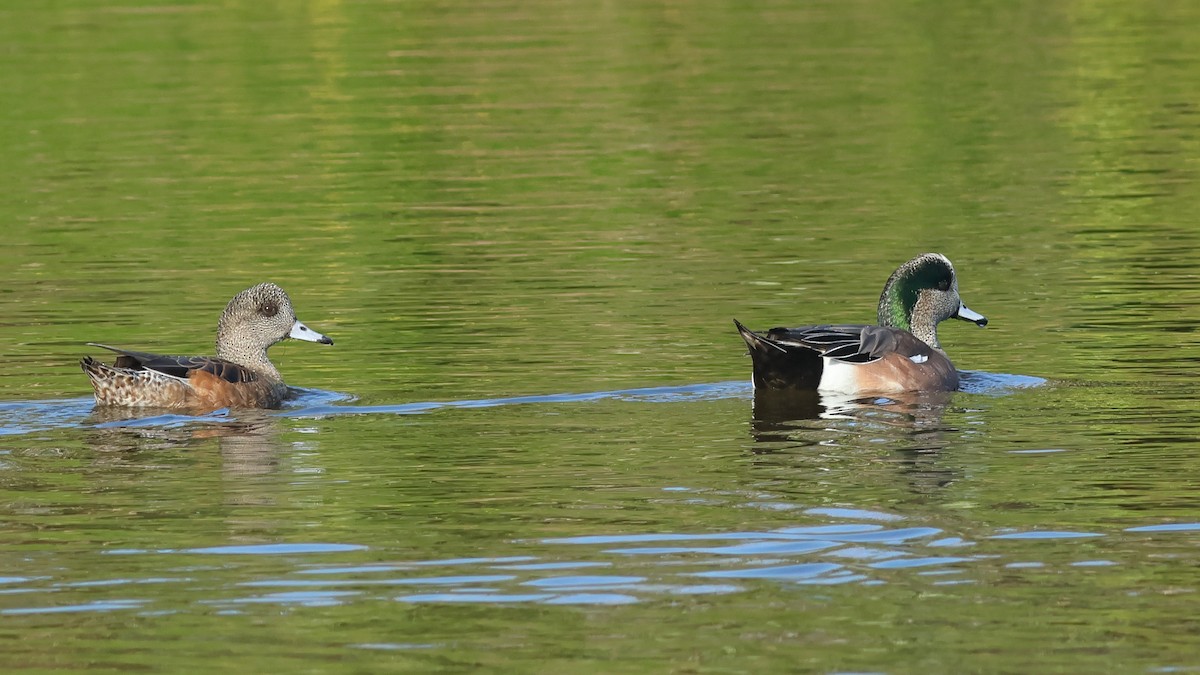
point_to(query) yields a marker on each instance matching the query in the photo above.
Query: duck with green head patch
(900, 354)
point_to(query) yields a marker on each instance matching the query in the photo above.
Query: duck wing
(848, 343)
(851, 343)
(181, 366)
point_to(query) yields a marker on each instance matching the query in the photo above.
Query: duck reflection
(776, 409)
(907, 427)
(249, 443)
(231, 466)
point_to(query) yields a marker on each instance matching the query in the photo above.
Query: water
(534, 447)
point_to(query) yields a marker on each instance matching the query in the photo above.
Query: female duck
(239, 376)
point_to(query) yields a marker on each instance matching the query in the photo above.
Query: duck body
(836, 359)
(142, 379)
(900, 354)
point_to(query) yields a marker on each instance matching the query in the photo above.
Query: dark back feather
(182, 366)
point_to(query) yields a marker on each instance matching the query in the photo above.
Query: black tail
(756, 342)
(781, 366)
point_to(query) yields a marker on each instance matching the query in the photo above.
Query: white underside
(838, 377)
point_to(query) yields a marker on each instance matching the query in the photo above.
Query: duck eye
(943, 285)
(268, 309)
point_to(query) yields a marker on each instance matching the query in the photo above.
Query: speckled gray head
(257, 318)
(921, 293)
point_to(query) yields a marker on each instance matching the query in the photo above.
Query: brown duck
(239, 376)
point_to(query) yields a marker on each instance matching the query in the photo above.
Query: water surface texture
(534, 446)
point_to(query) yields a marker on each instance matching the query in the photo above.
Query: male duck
(239, 376)
(900, 354)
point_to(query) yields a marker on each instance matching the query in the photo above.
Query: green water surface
(493, 200)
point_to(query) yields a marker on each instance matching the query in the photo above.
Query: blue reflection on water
(624, 568)
(22, 417)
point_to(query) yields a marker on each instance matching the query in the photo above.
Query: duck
(900, 354)
(239, 376)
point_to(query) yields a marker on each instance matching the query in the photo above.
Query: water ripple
(622, 568)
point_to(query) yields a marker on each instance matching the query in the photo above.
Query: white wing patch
(919, 358)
